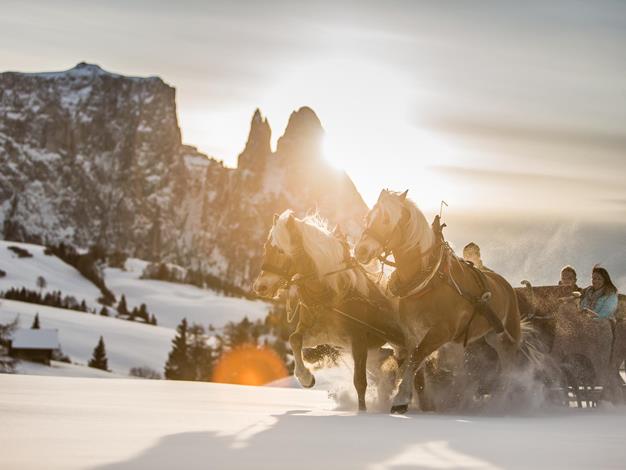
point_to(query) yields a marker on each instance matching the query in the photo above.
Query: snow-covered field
(62, 369)
(128, 344)
(171, 302)
(70, 423)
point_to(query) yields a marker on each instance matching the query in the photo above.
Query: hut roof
(35, 339)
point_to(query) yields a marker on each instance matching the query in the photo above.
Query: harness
(315, 301)
(439, 269)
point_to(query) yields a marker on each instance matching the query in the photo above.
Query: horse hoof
(399, 409)
(362, 408)
(311, 384)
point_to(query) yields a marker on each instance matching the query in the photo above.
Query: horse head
(382, 226)
(278, 262)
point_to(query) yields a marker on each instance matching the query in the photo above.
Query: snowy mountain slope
(128, 344)
(23, 272)
(69, 423)
(91, 157)
(171, 302)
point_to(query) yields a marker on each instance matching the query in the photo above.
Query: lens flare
(249, 365)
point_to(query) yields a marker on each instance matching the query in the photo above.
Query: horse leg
(434, 339)
(359, 355)
(504, 348)
(301, 371)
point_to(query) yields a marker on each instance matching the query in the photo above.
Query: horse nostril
(261, 289)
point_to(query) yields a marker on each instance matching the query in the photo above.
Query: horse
(338, 302)
(442, 298)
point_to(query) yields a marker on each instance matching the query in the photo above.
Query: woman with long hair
(600, 298)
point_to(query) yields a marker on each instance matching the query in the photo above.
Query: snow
(44, 338)
(63, 369)
(171, 302)
(23, 272)
(128, 344)
(71, 423)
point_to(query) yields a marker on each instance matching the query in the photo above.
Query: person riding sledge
(471, 252)
(568, 278)
(600, 299)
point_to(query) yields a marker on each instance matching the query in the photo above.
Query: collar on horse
(440, 268)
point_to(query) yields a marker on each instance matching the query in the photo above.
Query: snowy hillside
(128, 344)
(23, 272)
(172, 302)
(115, 424)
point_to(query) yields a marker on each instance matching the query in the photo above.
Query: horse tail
(532, 348)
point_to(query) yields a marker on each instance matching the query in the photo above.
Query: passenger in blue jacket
(601, 297)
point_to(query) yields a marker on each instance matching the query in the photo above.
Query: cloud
(568, 137)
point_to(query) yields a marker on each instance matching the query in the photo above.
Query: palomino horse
(338, 303)
(442, 298)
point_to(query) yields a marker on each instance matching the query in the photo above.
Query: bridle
(385, 241)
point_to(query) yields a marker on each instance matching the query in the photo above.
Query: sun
(368, 113)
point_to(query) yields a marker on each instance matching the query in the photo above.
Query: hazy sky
(504, 109)
(490, 105)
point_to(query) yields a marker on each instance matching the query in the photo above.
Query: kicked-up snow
(77, 423)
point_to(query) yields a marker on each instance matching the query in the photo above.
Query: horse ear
(291, 222)
(276, 216)
(403, 195)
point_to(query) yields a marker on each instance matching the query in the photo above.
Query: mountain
(91, 157)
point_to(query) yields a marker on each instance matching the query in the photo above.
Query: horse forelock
(327, 254)
(280, 236)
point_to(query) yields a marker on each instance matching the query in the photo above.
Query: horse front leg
(433, 340)
(302, 373)
(359, 355)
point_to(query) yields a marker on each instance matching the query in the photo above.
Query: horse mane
(324, 250)
(417, 231)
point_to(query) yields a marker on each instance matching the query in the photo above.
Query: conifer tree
(104, 312)
(122, 309)
(143, 313)
(153, 320)
(178, 365)
(99, 358)
(200, 353)
(35, 325)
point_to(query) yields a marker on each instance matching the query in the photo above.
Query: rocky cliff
(88, 156)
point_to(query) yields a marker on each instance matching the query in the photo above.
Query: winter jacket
(605, 306)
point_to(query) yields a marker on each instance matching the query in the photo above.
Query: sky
(509, 111)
